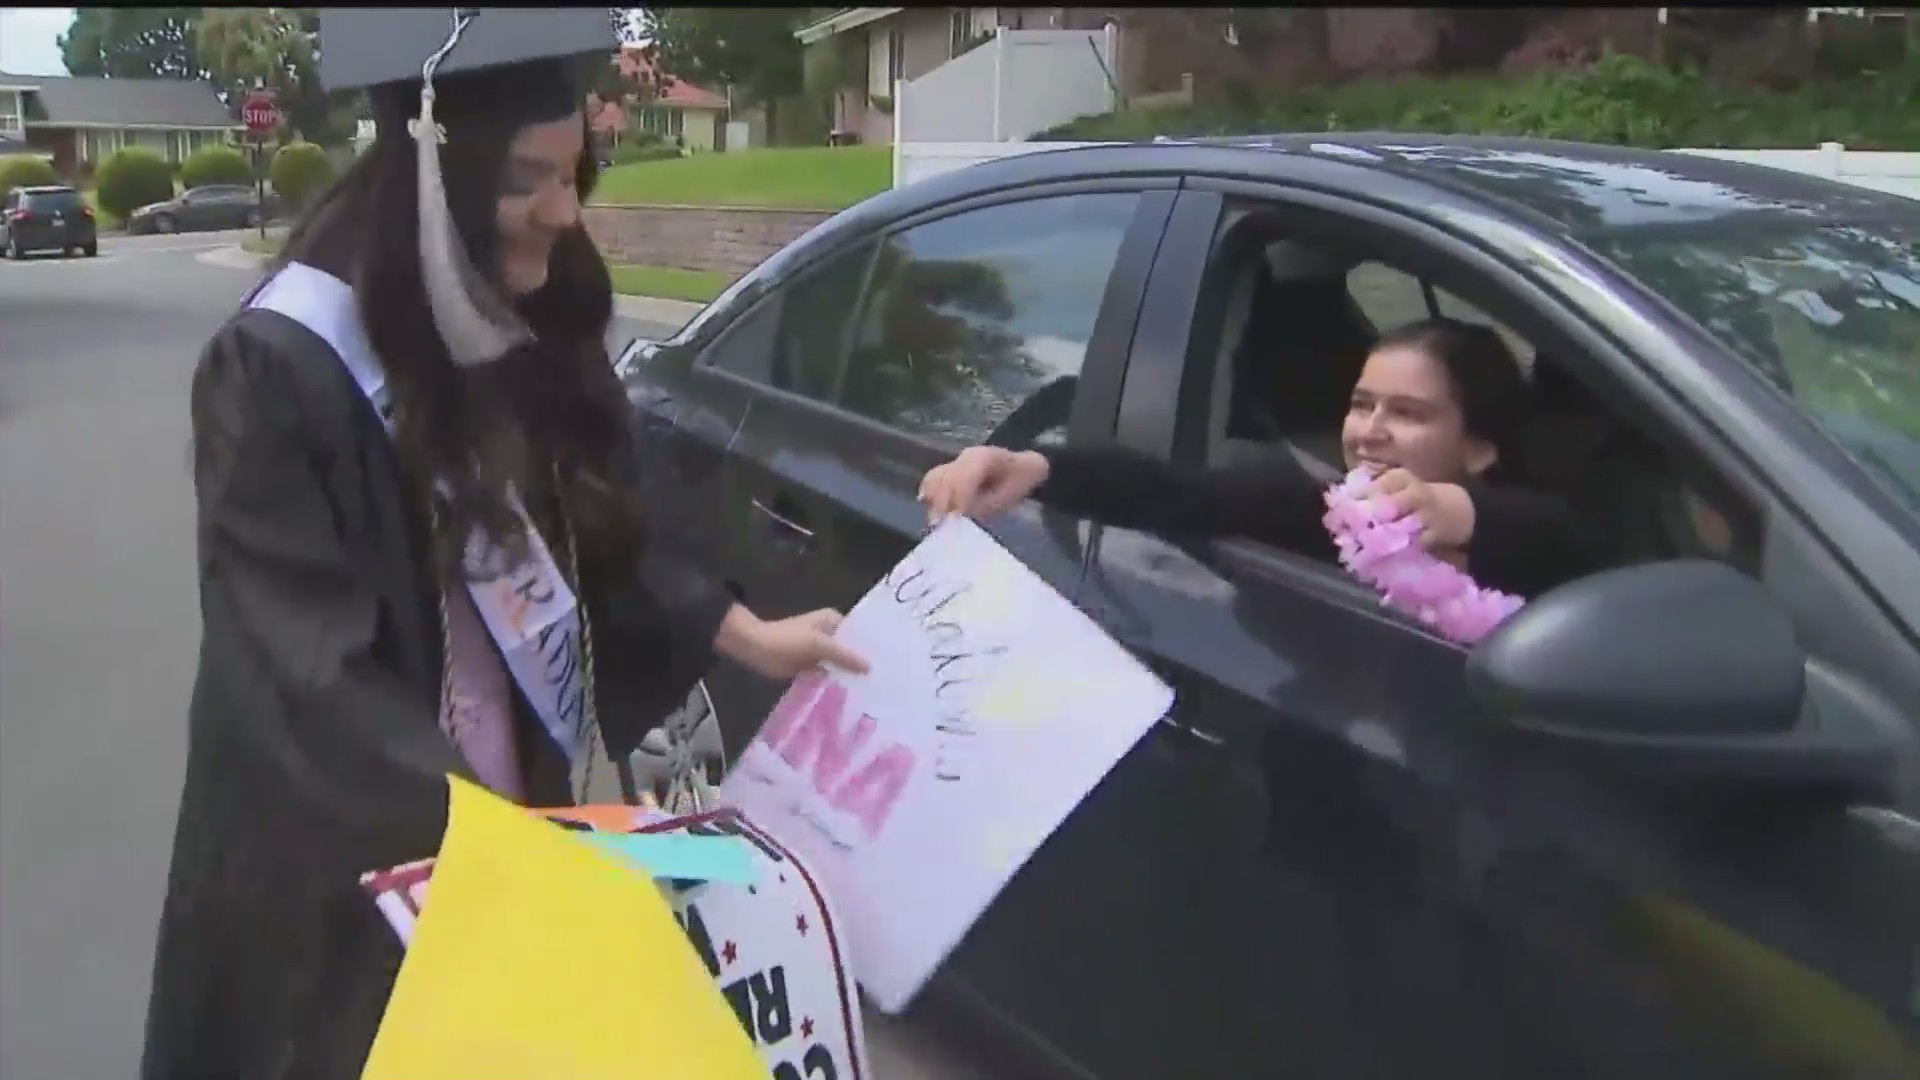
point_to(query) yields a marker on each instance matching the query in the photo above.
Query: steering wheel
(1048, 408)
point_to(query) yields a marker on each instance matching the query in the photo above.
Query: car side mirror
(1688, 669)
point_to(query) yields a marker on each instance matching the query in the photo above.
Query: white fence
(1894, 172)
(1018, 84)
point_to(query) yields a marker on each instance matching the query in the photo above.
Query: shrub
(215, 165)
(132, 178)
(20, 170)
(300, 171)
(632, 153)
(1618, 99)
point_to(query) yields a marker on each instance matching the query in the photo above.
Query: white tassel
(474, 321)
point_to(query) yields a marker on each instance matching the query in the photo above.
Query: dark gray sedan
(213, 206)
(1661, 826)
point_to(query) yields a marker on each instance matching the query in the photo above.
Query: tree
(752, 50)
(275, 47)
(132, 43)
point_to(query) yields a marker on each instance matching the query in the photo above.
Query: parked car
(46, 218)
(212, 206)
(1661, 827)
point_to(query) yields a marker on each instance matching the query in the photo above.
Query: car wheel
(162, 223)
(93, 249)
(253, 219)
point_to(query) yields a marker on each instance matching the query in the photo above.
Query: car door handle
(783, 521)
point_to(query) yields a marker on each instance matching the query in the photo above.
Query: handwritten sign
(916, 791)
(773, 948)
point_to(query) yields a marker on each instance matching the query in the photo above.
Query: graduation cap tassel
(474, 321)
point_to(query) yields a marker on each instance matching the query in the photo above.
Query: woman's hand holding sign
(981, 481)
(783, 648)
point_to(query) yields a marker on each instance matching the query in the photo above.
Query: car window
(1391, 298)
(969, 317)
(49, 201)
(794, 338)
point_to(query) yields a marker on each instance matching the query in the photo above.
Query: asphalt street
(98, 631)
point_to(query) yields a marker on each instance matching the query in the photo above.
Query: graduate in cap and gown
(420, 547)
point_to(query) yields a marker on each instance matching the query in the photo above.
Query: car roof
(48, 189)
(1569, 189)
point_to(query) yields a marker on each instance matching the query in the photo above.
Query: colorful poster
(773, 948)
(519, 909)
(917, 790)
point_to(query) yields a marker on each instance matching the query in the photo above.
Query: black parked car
(1661, 827)
(46, 218)
(212, 206)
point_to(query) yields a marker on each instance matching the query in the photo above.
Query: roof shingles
(61, 101)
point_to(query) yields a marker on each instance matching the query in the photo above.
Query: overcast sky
(29, 40)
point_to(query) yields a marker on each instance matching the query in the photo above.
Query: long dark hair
(1487, 381)
(554, 404)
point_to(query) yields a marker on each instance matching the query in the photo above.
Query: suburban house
(886, 45)
(79, 122)
(680, 110)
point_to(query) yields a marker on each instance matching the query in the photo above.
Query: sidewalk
(651, 309)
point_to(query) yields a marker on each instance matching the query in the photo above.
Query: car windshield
(1829, 313)
(52, 200)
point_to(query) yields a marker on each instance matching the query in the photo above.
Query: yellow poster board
(544, 958)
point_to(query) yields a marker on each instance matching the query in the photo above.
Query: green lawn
(668, 282)
(798, 178)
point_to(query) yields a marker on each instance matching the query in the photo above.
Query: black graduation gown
(1524, 542)
(315, 751)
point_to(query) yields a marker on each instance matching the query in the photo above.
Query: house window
(896, 58)
(98, 145)
(666, 123)
(11, 120)
(959, 30)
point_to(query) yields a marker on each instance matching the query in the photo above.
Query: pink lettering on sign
(808, 730)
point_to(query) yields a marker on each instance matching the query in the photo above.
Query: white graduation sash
(530, 612)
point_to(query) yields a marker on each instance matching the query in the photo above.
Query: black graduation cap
(509, 65)
(438, 73)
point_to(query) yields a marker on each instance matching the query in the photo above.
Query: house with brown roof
(673, 108)
(79, 122)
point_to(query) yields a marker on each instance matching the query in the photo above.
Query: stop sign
(260, 114)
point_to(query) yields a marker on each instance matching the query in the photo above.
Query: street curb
(233, 258)
(655, 309)
(651, 309)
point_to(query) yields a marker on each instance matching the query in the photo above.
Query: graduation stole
(529, 610)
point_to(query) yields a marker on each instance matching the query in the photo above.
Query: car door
(8, 205)
(1417, 896)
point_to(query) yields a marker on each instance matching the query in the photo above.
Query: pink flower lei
(1380, 546)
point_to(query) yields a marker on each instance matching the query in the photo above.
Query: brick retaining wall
(731, 240)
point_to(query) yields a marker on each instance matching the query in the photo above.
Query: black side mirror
(1688, 669)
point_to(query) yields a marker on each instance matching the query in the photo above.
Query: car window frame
(1554, 324)
(1125, 285)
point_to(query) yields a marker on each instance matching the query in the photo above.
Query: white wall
(1020, 83)
(1894, 172)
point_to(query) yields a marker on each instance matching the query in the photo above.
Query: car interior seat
(1619, 482)
(1300, 350)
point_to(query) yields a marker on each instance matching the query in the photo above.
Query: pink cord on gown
(1380, 545)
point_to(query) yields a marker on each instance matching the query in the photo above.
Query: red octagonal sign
(260, 114)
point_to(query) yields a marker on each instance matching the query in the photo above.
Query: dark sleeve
(663, 617)
(291, 693)
(1526, 542)
(1270, 500)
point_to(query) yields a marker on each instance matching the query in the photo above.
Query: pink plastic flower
(1380, 545)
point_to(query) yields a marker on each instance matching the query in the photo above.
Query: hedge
(132, 178)
(1618, 99)
(636, 152)
(21, 170)
(215, 165)
(300, 171)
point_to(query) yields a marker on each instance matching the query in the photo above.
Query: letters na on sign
(917, 790)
